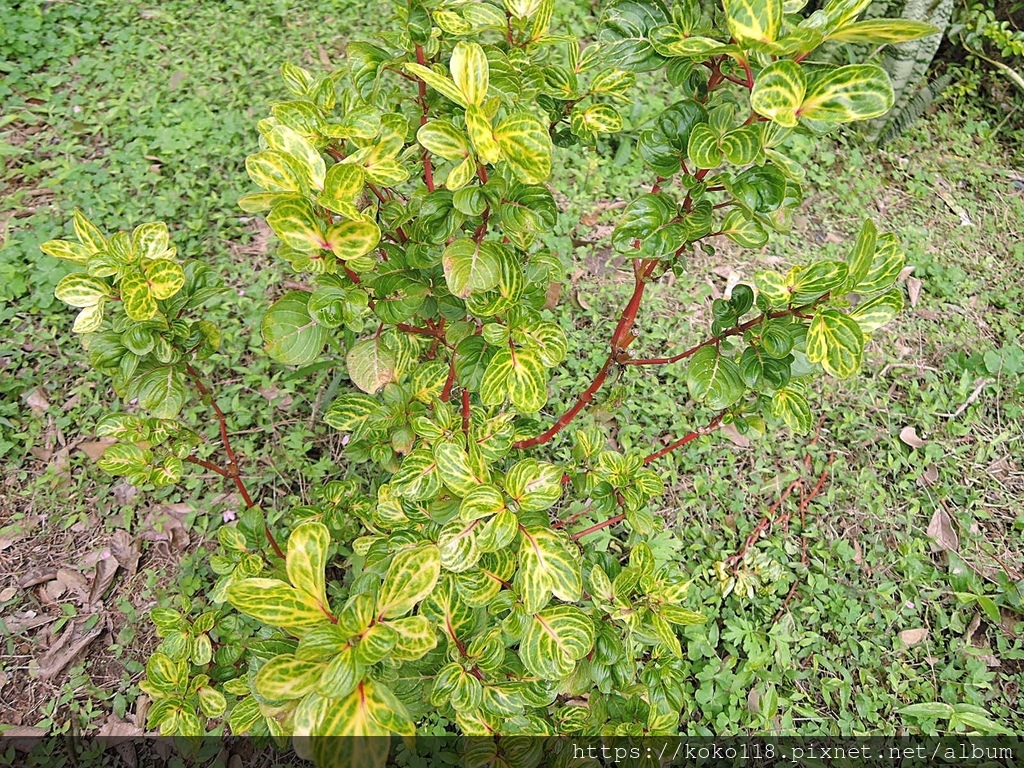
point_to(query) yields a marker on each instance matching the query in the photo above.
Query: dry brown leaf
(24, 738)
(913, 290)
(52, 591)
(116, 732)
(913, 636)
(72, 641)
(75, 582)
(126, 550)
(740, 441)
(551, 297)
(940, 530)
(36, 576)
(94, 448)
(164, 523)
(26, 621)
(106, 569)
(124, 493)
(36, 400)
(930, 475)
(7, 594)
(909, 436)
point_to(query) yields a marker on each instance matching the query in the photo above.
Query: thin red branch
(428, 168)
(597, 527)
(232, 471)
(217, 468)
(707, 429)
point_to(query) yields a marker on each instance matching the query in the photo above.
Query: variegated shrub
(408, 188)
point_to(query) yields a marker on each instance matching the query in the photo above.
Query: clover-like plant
(408, 188)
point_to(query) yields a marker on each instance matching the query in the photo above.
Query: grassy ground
(833, 622)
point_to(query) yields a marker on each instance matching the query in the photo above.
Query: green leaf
(855, 92)
(879, 31)
(518, 376)
(350, 411)
(483, 501)
(342, 187)
(680, 616)
(290, 335)
(438, 82)
(352, 239)
(546, 566)
(534, 485)
(779, 92)
(302, 151)
(842, 12)
(459, 545)
(932, 710)
(626, 30)
(794, 410)
(773, 286)
(273, 602)
(470, 71)
(742, 145)
(862, 256)
(88, 234)
(415, 637)
(554, 640)
(461, 174)
(741, 228)
(286, 677)
(296, 224)
(276, 171)
(68, 251)
(124, 458)
(885, 267)
(370, 365)
(713, 379)
(89, 319)
(165, 279)
(80, 290)
(161, 392)
(152, 241)
(417, 479)
(375, 644)
(356, 719)
(818, 279)
(342, 674)
(307, 558)
(754, 21)
(137, 298)
(874, 313)
(410, 578)
(835, 340)
(703, 148)
(600, 118)
(453, 464)
(442, 138)
(525, 146)
(212, 702)
(471, 267)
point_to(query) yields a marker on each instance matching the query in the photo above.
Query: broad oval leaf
(273, 602)
(290, 335)
(713, 379)
(854, 92)
(370, 365)
(554, 640)
(410, 578)
(525, 146)
(835, 340)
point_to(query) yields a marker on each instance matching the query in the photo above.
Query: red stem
(707, 429)
(232, 471)
(594, 528)
(428, 168)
